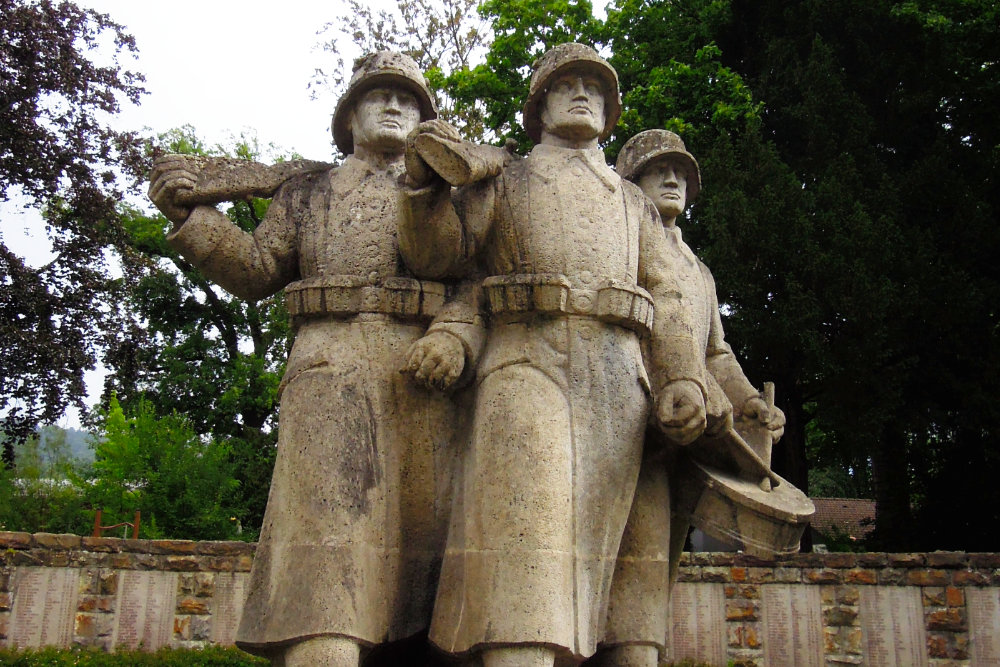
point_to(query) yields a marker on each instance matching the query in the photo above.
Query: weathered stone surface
(15, 540)
(970, 578)
(857, 576)
(100, 544)
(907, 560)
(928, 577)
(171, 546)
(947, 559)
(947, 619)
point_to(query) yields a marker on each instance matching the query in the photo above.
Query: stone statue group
(497, 360)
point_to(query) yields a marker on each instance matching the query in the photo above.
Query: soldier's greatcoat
(653, 541)
(563, 397)
(356, 518)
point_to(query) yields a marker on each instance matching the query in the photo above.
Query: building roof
(854, 516)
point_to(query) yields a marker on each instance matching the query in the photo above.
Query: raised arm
(250, 266)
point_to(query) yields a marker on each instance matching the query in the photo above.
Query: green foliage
(38, 493)
(182, 484)
(57, 150)
(211, 656)
(194, 350)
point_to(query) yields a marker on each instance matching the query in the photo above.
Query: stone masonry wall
(936, 609)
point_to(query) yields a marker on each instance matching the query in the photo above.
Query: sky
(223, 66)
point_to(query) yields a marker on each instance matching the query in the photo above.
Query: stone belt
(345, 296)
(615, 302)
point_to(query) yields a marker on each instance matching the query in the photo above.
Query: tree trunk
(891, 479)
(789, 455)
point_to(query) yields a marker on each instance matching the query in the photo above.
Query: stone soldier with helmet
(578, 274)
(357, 513)
(658, 162)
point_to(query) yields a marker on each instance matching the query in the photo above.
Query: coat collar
(551, 162)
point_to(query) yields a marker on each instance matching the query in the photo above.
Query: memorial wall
(891, 610)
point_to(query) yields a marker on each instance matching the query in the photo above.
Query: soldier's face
(574, 107)
(664, 181)
(383, 117)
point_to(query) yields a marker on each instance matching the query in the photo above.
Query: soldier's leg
(519, 656)
(322, 652)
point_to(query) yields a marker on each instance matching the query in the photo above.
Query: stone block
(689, 574)
(907, 560)
(858, 576)
(840, 560)
(85, 626)
(108, 582)
(739, 610)
(954, 597)
(840, 615)
(892, 577)
(713, 574)
(100, 544)
(172, 547)
(787, 575)
(182, 564)
(872, 560)
(192, 606)
(969, 578)
(201, 628)
(230, 548)
(928, 577)
(947, 559)
(738, 574)
(932, 596)
(848, 595)
(760, 575)
(182, 627)
(823, 576)
(984, 561)
(56, 541)
(15, 540)
(952, 620)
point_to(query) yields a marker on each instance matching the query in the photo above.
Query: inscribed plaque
(145, 609)
(230, 594)
(984, 625)
(892, 627)
(792, 618)
(696, 629)
(44, 611)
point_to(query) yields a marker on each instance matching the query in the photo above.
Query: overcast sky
(222, 66)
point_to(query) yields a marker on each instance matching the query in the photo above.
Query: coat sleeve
(441, 230)
(673, 347)
(250, 266)
(719, 358)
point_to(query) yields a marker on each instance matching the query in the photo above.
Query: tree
(182, 485)
(192, 349)
(56, 150)
(442, 37)
(865, 297)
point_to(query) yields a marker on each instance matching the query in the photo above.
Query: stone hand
(773, 418)
(172, 175)
(716, 424)
(436, 360)
(681, 411)
(418, 173)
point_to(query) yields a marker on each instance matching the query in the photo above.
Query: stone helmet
(639, 151)
(382, 68)
(555, 62)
